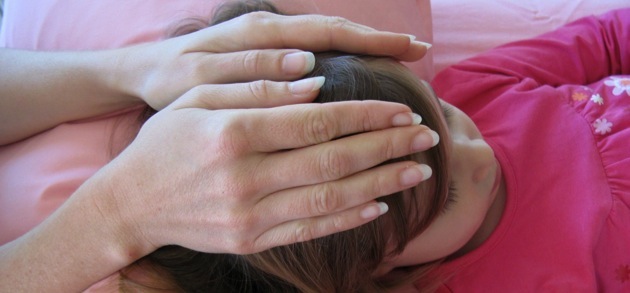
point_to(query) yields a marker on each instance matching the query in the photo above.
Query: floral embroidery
(621, 84)
(578, 96)
(623, 273)
(581, 94)
(602, 126)
(597, 99)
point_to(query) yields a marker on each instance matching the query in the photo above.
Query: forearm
(74, 248)
(39, 90)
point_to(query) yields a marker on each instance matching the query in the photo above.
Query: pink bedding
(38, 174)
(462, 28)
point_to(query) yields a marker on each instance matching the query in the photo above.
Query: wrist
(83, 242)
(118, 215)
(115, 74)
(130, 68)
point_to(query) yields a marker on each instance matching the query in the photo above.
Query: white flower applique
(602, 126)
(597, 99)
(621, 84)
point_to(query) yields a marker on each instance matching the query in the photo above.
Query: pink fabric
(403, 16)
(561, 131)
(463, 29)
(39, 173)
(71, 25)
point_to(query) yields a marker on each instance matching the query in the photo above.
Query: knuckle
(196, 96)
(320, 128)
(337, 22)
(230, 140)
(197, 72)
(254, 19)
(367, 123)
(338, 223)
(240, 228)
(388, 149)
(197, 91)
(260, 90)
(259, 21)
(376, 187)
(252, 62)
(240, 246)
(324, 200)
(333, 165)
(303, 233)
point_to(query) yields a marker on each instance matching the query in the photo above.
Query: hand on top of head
(255, 46)
(293, 173)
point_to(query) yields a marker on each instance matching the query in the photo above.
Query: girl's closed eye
(448, 112)
(451, 197)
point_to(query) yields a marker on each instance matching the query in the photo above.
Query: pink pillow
(462, 28)
(38, 174)
(72, 25)
(402, 16)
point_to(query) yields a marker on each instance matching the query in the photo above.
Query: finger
(334, 196)
(245, 66)
(295, 126)
(312, 228)
(343, 157)
(262, 30)
(258, 94)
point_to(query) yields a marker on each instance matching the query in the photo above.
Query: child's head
(346, 261)
(350, 260)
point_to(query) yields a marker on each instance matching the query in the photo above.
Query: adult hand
(236, 181)
(254, 46)
(75, 85)
(219, 180)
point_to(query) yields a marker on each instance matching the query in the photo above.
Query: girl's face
(475, 185)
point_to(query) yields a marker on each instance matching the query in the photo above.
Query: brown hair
(345, 261)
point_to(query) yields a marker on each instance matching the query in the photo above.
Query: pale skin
(162, 190)
(73, 85)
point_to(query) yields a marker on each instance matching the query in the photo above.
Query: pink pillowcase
(80, 25)
(38, 174)
(462, 28)
(402, 16)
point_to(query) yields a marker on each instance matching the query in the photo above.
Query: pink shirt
(556, 110)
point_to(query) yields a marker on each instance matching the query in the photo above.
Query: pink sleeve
(581, 52)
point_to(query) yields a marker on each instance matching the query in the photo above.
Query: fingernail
(426, 171)
(425, 140)
(425, 44)
(435, 137)
(416, 119)
(406, 119)
(415, 174)
(411, 37)
(374, 211)
(298, 63)
(306, 86)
